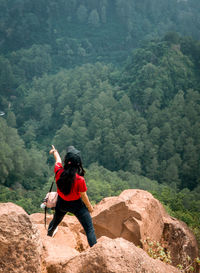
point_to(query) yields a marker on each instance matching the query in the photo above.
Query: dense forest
(120, 80)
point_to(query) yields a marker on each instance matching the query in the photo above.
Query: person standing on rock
(72, 196)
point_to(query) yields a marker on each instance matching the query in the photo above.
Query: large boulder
(136, 215)
(67, 243)
(179, 240)
(133, 215)
(20, 245)
(113, 256)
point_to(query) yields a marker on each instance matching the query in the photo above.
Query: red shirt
(78, 185)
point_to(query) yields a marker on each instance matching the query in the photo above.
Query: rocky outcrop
(179, 240)
(20, 244)
(113, 256)
(126, 221)
(67, 243)
(136, 215)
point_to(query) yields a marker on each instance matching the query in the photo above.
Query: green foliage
(189, 265)
(156, 251)
(121, 26)
(19, 166)
(144, 121)
(32, 62)
(183, 205)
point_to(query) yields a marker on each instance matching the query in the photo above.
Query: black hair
(72, 165)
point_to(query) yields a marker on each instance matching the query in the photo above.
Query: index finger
(52, 147)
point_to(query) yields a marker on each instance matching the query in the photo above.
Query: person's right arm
(56, 154)
(86, 201)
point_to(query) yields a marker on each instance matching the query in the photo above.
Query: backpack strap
(45, 209)
(45, 217)
(54, 179)
(51, 186)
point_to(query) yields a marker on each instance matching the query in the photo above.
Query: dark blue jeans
(79, 209)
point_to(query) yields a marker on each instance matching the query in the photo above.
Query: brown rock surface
(20, 245)
(68, 220)
(133, 215)
(113, 256)
(67, 242)
(136, 215)
(179, 240)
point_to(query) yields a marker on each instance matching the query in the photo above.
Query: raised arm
(56, 154)
(86, 201)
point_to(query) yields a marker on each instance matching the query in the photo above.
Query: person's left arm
(86, 201)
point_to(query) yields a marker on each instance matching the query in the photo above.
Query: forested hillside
(75, 31)
(143, 119)
(112, 78)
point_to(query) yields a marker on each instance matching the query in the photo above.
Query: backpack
(49, 201)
